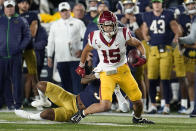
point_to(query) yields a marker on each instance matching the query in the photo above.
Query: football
(132, 56)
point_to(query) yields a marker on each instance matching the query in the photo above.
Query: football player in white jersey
(110, 42)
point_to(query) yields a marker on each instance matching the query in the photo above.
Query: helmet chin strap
(110, 34)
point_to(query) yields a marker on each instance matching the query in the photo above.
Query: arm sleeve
(51, 41)
(191, 38)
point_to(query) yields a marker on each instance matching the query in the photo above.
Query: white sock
(162, 102)
(184, 102)
(175, 89)
(192, 104)
(35, 116)
(144, 103)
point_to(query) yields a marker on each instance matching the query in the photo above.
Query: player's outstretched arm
(80, 69)
(88, 78)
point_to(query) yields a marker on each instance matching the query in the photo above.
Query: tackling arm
(85, 52)
(80, 69)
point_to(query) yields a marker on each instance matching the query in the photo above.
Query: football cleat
(166, 110)
(141, 121)
(39, 103)
(182, 110)
(189, 110)
(23, 114)
(152, 110)
(193, 114)
(76, 118)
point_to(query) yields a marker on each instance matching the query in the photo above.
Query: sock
(162, 102)
(184, 103)
(152, 90)
(166, 90)
(144, 103)
(35, 116)
(137, 117)
(175, 89)
(192, 104)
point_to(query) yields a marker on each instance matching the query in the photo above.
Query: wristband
(82, 65)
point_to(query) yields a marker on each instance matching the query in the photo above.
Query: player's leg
(190, 73)
(153, 74)
(129, 85)
(180, 74)
(106, 90)
(165, 76)
(108, 84)
(31, 77)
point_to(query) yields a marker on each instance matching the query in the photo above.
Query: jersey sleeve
(90, 39)
(170, 16)
(127, 33)
(139, 19)
(144, 18)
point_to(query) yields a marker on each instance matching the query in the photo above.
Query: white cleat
(23, 114)
(189, 111)
(41, 103)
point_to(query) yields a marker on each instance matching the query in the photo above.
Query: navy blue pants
(69, 78)
(40, 55)
(11, 75)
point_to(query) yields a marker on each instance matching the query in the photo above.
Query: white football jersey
(112, 54)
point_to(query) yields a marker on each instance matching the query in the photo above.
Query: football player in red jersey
(110, 42)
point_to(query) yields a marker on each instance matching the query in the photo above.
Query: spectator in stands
(92, 11)
(15, 36)
(65, 41)
(79, 12)
(1, 7)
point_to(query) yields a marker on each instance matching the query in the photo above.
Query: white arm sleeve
(191, 38)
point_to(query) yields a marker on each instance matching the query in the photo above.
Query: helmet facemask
(188, 3)
(108, 23)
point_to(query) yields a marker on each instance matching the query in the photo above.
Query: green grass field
(121, 122)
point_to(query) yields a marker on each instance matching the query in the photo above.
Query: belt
(79, 103)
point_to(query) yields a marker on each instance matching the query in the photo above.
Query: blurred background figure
(15, 32)
(65, 42)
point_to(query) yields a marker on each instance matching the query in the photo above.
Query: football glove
(80, 71)
(140, 60)
(76, 118)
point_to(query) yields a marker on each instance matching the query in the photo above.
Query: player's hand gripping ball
(135, 59)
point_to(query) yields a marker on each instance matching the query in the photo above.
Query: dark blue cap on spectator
(19, 1)
(103, 2)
